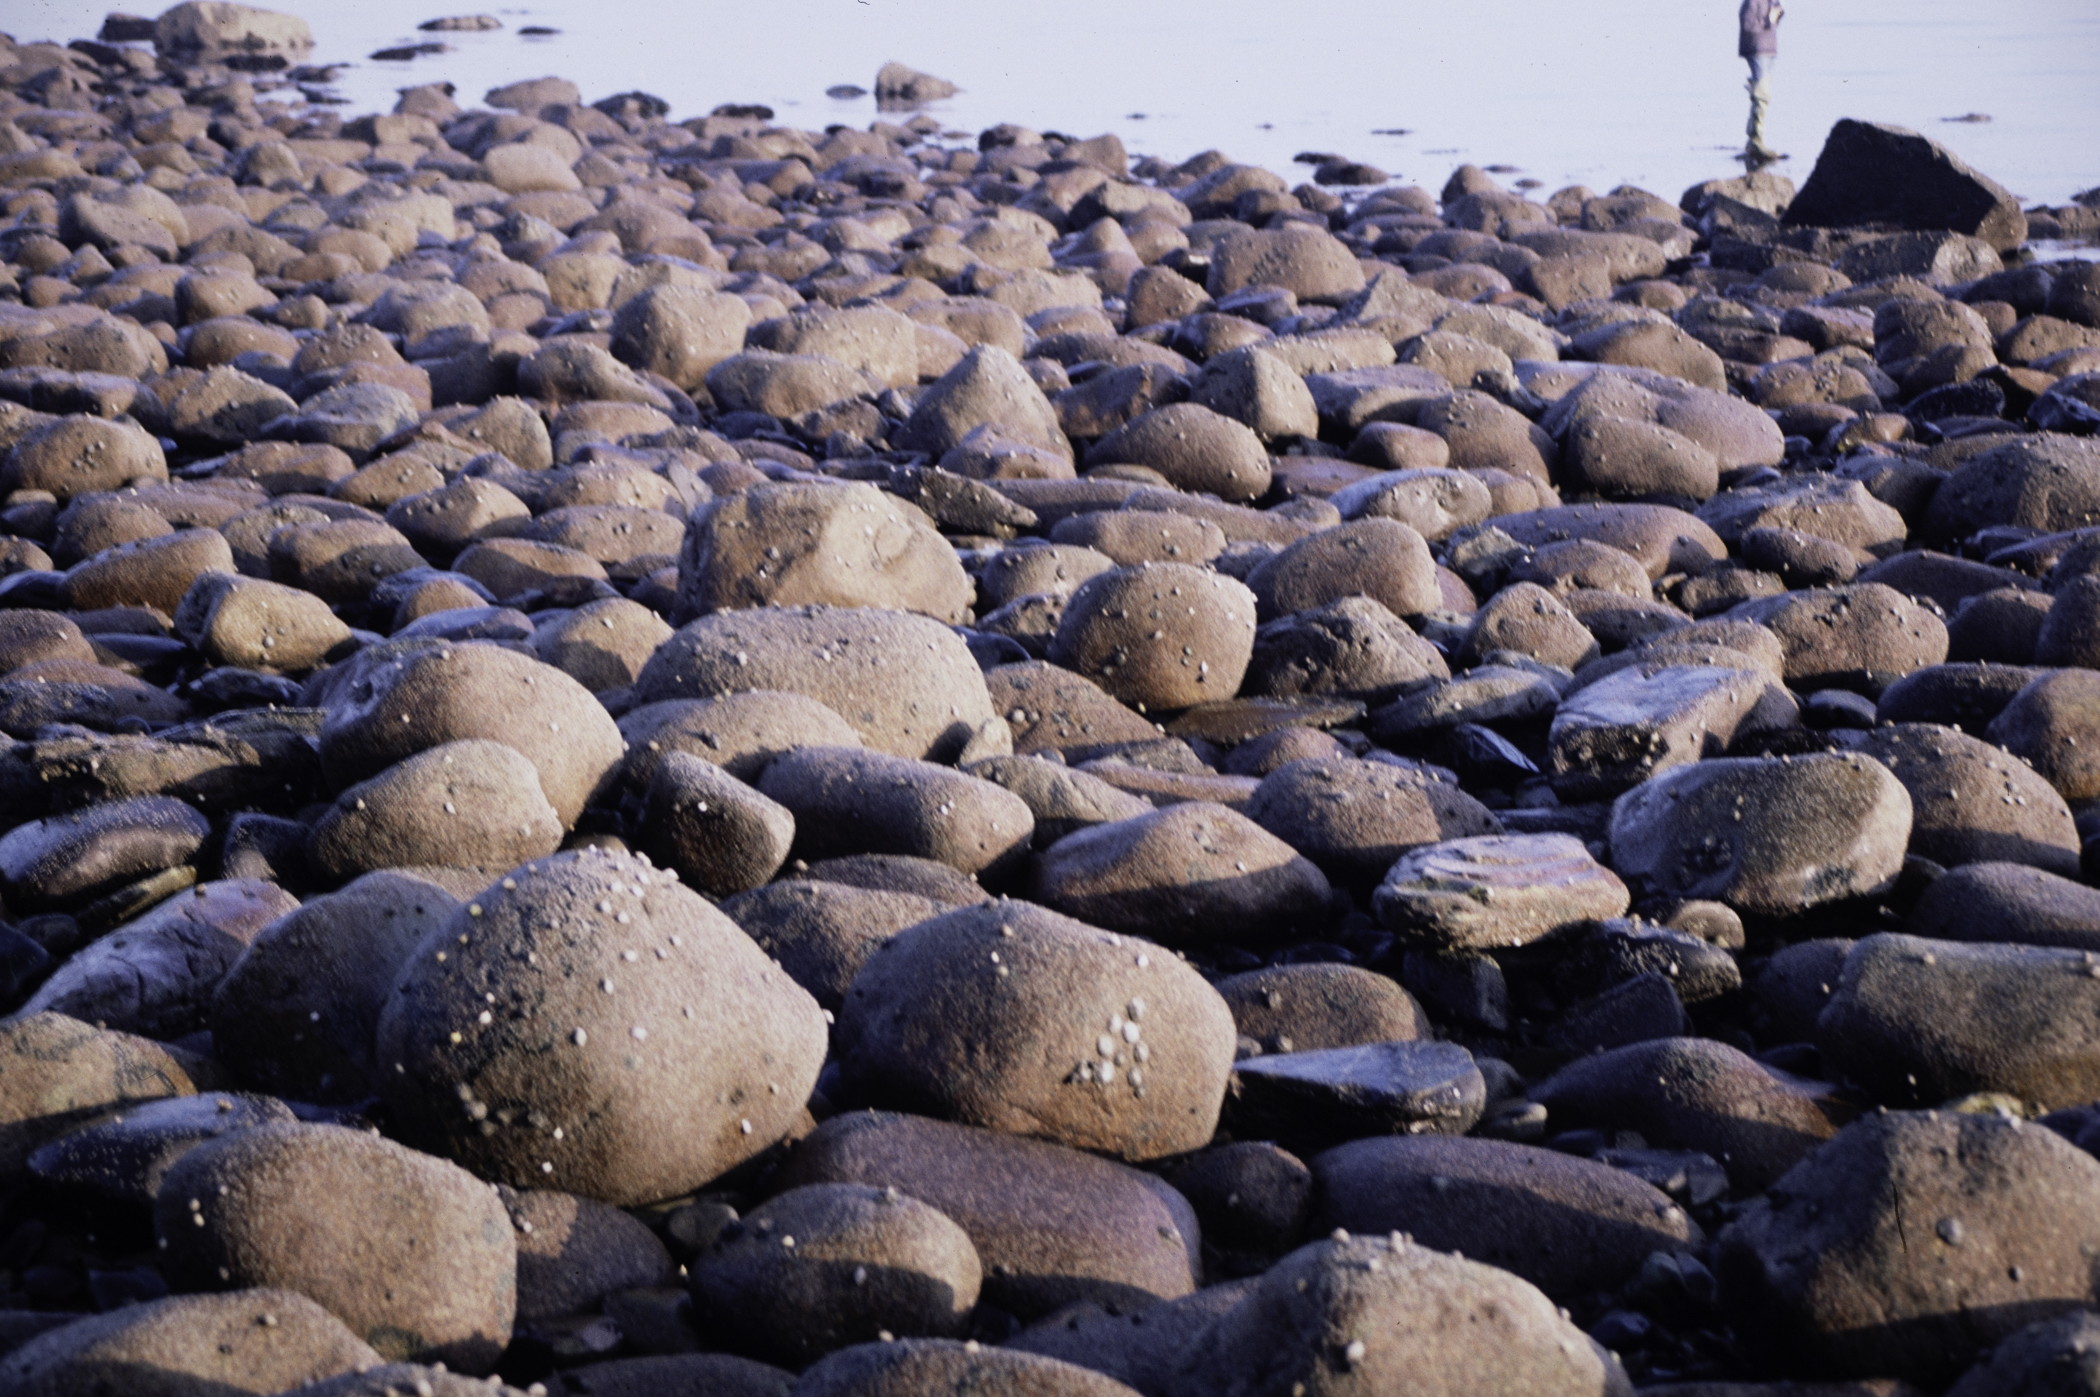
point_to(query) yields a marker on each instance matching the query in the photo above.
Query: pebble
(1161, 662)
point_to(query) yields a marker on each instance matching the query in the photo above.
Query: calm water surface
(1646, 91)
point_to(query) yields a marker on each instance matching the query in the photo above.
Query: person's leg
(1760, 85)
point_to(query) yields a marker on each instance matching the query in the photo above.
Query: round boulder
(823, 1266)
(414, 1254)
(475, 690)
(536, 1035)
(1379, 558)
(1193, 448)
(1024, 1021)
(907, 684)
(468, 804)
(1192, 872)
(1914, 1240)
(1763, 834)
(793, 544)
(255, 1341)
(1160, 635)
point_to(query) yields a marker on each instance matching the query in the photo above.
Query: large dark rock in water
(1871, 173)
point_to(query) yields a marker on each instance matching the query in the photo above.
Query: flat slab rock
(1495, 890)
(1348, 1093)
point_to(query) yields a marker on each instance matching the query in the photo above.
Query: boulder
(414, 1254)
(692, 1002)
(1023, 1021)
(1870, 173)
(1913, 1241)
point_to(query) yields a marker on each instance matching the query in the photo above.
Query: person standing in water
(1758, 22)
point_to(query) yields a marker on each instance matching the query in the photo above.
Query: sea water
(1648, 92)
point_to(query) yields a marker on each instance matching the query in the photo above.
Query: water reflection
(1646, 91)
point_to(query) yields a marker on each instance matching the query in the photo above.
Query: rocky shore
(660, 754)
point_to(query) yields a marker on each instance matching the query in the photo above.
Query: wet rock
(707, 1010)
(1996, 1211)
(246, 1341)
(826, 1266)
(1567, 1225)
(1071, 1034)
(414, 1254)
(1495, 890)
(1051, 1225)
(155, 974)
(1313, 1099)
(1764, 835)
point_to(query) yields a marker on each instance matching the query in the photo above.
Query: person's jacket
(1759, 22)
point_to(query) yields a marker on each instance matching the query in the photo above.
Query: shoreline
(644, 752)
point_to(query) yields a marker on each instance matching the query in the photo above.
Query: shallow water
(1642, 91)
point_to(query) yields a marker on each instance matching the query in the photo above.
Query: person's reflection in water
(1758, 22)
